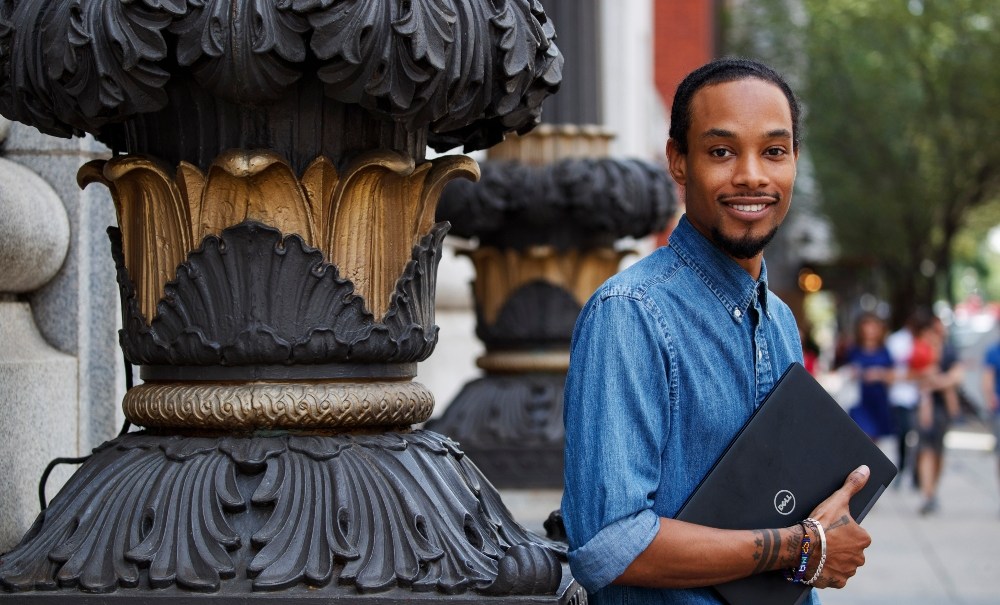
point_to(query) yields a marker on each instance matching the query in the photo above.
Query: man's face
(740, 165)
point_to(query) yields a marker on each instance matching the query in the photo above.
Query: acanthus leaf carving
(186, 536)
(242, 51)
(382, 200)
(134, 506)
(572, 203)
(308, 314)
(102, 62)
(342, 514)
(466, 71)
(155, 221)
(430, 26)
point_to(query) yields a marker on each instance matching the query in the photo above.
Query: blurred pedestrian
(904, 393)
(936, 409)
(873, 367)
(991, 390)
(810, 351)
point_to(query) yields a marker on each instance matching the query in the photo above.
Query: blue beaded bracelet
(796, 575)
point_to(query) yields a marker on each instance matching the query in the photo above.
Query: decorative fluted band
(279, 405)
(524, 361)
(316, 371)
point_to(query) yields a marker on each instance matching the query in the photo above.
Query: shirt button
(737, 314)
(760, 354)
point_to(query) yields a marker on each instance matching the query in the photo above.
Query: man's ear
(676, 163)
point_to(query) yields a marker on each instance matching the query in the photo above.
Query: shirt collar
(733, 286)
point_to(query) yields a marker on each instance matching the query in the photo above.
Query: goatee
(743, 247)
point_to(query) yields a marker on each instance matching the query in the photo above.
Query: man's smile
(749, 204)
(747, 207)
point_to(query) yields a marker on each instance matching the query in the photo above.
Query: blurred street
(948, 558)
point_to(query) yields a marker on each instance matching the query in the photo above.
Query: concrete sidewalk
(949, 558)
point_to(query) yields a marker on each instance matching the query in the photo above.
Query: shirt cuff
(606, 556)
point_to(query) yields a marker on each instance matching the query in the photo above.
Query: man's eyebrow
(718, 133)
(721, 133)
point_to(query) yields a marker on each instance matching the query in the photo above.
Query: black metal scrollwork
(342, 513)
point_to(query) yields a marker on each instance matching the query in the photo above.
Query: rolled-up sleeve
(617, 415)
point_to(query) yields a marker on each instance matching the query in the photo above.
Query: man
(671, 356)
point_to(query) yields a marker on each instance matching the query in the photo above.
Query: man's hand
(846, 541)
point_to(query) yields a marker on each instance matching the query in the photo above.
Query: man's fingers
(857, 479)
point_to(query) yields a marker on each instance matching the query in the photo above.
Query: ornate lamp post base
(277, 255)
(512, 425)
(569, 593)
(361, 518)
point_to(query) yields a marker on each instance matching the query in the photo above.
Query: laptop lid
(796, 449)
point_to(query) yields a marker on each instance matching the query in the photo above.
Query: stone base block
(38, 416)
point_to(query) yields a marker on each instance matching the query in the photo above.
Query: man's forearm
(684, 555)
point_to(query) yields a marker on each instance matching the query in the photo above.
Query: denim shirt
(669, 359)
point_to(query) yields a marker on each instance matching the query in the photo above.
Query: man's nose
(750, 172)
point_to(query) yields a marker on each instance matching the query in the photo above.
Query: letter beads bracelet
(822, 550)
(795, 575)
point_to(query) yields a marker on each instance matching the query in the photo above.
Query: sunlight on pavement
(966, 440)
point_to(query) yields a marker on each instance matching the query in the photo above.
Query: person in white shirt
(904, 392)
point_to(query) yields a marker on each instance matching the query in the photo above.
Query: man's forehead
(723, 108)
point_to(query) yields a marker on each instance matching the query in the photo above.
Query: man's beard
(742, 247)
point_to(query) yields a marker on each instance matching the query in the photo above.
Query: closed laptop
(797, 448)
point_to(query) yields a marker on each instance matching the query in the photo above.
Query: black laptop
(796, 450)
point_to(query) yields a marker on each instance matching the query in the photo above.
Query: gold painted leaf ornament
(365, 221)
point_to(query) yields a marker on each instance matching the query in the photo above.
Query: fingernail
(863, 469)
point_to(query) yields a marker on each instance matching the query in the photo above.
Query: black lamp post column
(276, 252)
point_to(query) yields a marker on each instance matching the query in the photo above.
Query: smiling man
(671, 357)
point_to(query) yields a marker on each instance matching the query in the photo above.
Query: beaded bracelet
(795, 576)
(822, 550)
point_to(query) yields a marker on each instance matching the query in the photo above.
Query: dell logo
(784, 502)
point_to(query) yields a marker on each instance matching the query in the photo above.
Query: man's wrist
(791, 541)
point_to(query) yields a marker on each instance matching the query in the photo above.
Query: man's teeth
(748, 207)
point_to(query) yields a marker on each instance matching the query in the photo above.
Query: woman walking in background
(873, 366)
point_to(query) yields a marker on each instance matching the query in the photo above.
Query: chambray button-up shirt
(669, 359)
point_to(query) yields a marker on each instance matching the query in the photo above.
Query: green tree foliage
(902, 122)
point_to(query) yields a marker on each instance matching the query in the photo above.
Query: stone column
(276, 254)
(38, 405)
(77, 311)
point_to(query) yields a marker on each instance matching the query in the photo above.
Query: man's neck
(751, 265)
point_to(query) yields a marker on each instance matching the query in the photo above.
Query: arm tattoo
(767, 546)
(793, 544)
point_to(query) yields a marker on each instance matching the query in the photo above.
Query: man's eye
(775, 151)
(720, 153)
